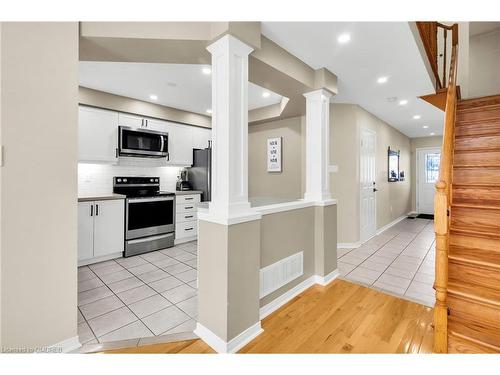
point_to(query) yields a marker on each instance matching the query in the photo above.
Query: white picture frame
(274, 154)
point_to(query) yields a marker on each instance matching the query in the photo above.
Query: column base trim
(68, 345)
(296, 290)
(348, 245)
(221, 346)
(325, 280)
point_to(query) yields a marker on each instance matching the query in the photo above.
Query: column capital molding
(318, 94)
(221, 45)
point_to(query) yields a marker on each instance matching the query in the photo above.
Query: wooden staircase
(473, 292)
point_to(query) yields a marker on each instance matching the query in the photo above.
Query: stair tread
(476, 166)
(478, 108)
(474, 331)
(473, 232)
(463, 345)
(475, 256)
(477, 102)
(478, 206)
(478, 293)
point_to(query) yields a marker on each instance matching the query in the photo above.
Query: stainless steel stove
(149, 214)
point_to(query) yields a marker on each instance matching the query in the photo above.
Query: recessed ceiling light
(209, 111)
(433, 133)
(403, 102)
(206, 70)
(382, 79)
(417, 117)
(344, 38)
(266, 94)
(425, 126)
(153, 97)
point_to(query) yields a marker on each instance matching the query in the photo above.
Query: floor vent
(281, 273)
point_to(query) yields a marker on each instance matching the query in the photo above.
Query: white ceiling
(375, 49)
(182, 86)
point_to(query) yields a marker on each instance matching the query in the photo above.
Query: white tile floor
(399, 261)
(146, 295)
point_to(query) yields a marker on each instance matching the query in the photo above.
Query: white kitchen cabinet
(85, 231)
(186, 222)
(158, 125)
(97, 135)
(101, 230)
(131, 121)
(108, 227)
(180, 144)
(201, 136)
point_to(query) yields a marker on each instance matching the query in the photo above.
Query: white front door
(368, 188)
(428, 160)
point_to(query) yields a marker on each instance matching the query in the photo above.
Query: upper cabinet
(97, 135)
(201, 137)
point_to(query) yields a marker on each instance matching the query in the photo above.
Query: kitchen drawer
(188, 216)
(186, 207)
(191, 198)
(187, 229)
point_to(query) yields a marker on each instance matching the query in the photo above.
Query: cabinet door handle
(146, 123)
(116, 153)
(188, 208)
(189, 199)
(188, 229)
(188, 217)
(91, 210)
(142, 123)
(96, 210)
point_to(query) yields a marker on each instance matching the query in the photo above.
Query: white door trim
(417, 182)
(365, 236)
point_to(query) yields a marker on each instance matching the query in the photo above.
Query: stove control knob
(156, 180)
(119, 180)
(151, 180)
(124, 180)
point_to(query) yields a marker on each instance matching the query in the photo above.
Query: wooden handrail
(429, 34)
(442, 210)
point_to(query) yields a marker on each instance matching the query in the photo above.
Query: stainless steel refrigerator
(200, 174)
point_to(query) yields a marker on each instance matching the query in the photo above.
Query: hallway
(399, 261)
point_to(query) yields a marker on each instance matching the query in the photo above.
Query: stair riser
(478, 102)
(487, 244)
(478, 143)
(480, 220)
(480, 128)
(476, 196)
(466, 309)
(480, 113)
(473, 329)
(476, 176)
(490, 158)
(473, 274)
(458, 345)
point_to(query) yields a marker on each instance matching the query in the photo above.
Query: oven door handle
(150, 238)
(145, 200)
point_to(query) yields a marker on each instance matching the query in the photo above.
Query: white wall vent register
(281, 273)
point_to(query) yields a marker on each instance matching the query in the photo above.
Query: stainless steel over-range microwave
(142, 143)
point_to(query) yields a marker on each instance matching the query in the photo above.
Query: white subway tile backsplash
(98, 178)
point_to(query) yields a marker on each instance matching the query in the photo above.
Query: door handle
(96, 210)
(375, 190)
(91, 210)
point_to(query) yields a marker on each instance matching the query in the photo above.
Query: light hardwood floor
(340, 318)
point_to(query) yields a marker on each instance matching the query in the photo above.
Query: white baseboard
(287, 296)
(412, 213)
(348, 245)
(100, 259)
(325, 280)
(221, 346)
(67, 345)
(392, 223)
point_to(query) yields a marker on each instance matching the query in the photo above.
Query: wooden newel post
(441, 227)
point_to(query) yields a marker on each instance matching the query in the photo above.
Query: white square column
(318, 145)
(229, 203)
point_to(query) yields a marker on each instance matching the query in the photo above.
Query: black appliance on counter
(182, 181)
(200, 174)
(149, 214)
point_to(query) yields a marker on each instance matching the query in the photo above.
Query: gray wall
(484, 71)
(393, 199)
(288, 183)
(39, 70)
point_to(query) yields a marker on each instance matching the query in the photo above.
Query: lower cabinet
(186, 223)
(100, 230)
